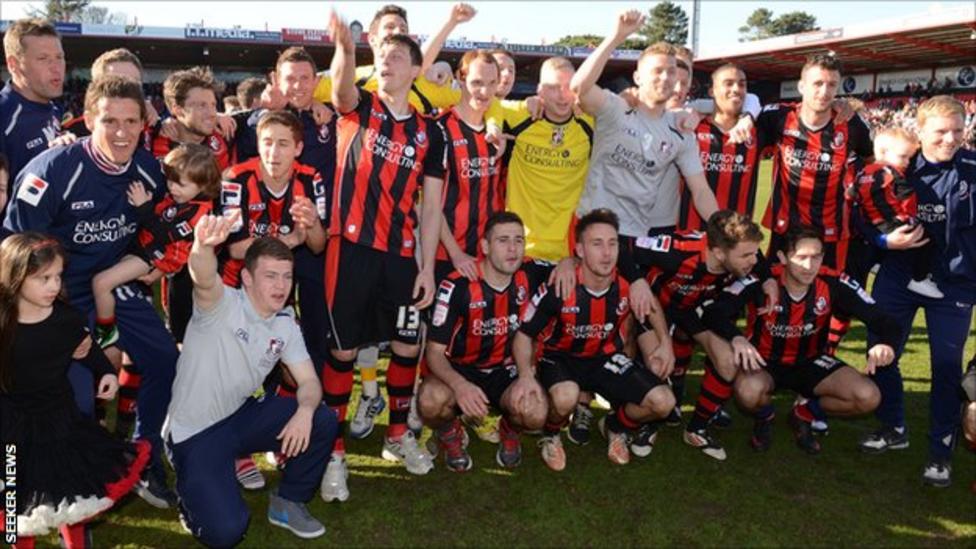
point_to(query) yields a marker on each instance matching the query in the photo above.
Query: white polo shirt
(227, 353)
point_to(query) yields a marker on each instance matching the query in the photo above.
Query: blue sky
(524, 22)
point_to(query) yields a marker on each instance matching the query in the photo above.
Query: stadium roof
(930, 40)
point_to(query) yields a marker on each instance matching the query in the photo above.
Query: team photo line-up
(516, 258)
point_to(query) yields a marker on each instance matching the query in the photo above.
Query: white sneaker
(552, 452)
(406, 450)
(414, 423)
(363, 420)
(926, 287)
(937, 473)
(334, 487)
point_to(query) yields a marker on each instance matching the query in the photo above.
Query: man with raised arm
(638, 154)
(234, 339)
(387, 152)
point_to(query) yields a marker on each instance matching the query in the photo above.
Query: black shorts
(493, 381)
(618, 378)
(803, 377)
(370, 295)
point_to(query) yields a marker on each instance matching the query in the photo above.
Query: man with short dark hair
(785, 346)
(249, 92)
(234, 339)
(583, 338)
(29, 119)
(191, 97)
(469, 348)
(387, 152)
(78, 194)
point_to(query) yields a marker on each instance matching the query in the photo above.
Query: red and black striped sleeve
(450, 306)
(850, 299)
(541, 311)
(720, 315)
(435, 161)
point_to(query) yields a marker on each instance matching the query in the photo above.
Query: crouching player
(786, 347)
(469, 352)
(582, 340)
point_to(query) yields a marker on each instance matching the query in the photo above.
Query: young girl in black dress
(68, 468)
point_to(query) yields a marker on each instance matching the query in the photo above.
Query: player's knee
(344, 355)
(563, 398)
(867, 397)
(226, 532)
(749, 392)
(659, 402)
(724, 364)
(534, 418)
(405, 350)
(433, 400)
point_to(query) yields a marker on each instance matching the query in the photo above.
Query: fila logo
(82, 205)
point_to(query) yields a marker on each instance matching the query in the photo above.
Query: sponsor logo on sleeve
(661, 243)
(32, 190)
(230, 193)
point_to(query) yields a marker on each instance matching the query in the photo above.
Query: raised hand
(628, 23)
(462, 13)
(339, 32)
(213, 230)
(271, 96)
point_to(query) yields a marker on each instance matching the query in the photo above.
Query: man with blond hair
(28, 116)
(638, 154)
(943, 175)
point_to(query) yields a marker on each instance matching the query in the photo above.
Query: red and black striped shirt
(159, 146)
(167, 236)
(678, 271)
(263, 213)
(476, 321)
(730, 169)
(381, 162)
(811, 170)
(885, 196)
(795, 330)
(586, 325)
(472, 190)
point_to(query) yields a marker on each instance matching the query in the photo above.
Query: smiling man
(28, 116)
(77, 194)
